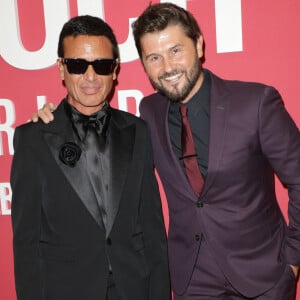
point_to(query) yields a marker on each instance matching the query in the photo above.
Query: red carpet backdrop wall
(253, 40)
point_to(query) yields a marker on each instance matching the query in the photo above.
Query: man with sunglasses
(86, 212)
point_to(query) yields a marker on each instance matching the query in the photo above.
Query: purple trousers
(208, 282)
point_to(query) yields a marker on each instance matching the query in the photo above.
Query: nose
(168, 64)
(90, 73)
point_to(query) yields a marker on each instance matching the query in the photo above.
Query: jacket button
(108, 241)
(197, 237)
(199, 204)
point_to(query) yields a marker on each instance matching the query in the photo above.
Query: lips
(90, 89)
(173, 77)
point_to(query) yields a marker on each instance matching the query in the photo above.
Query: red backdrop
(250, 40)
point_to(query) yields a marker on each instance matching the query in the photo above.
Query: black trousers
(112, 292)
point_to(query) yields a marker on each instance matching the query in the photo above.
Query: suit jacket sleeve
(154, 229)
(280, 141)
(26, 210)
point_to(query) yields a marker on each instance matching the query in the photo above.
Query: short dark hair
(87, 25)
(156, 17)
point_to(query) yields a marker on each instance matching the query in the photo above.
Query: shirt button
(108, 241)
(200, 204)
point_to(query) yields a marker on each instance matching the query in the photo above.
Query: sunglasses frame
(96, 64)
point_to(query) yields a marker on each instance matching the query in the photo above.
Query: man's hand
(295, 270)
(45, 113)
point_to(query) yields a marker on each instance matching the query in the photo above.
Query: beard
(175, 94)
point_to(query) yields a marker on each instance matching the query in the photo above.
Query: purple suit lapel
(155, 112)
(219, 107)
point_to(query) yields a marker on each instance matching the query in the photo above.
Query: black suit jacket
(61, 249)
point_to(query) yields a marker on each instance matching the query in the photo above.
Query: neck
(87, 110)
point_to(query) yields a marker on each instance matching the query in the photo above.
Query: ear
(61, 69)
(114, 74)
(199, 46)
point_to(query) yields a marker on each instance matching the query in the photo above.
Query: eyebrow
(169, 49)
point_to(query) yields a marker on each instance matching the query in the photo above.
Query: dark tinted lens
(76, 66)
(104, 66)
(79, 65)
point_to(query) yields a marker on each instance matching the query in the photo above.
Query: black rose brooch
(69, 154)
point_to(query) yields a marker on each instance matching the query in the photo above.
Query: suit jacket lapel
(219, 108)
(170, 157)
(56, 134)
(121, 143)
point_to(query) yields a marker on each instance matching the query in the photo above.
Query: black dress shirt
(199, 117)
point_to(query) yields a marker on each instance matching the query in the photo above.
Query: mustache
(169, 74)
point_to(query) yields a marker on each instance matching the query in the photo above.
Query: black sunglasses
(103, 66)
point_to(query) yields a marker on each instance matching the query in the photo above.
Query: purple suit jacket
(251, 137)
